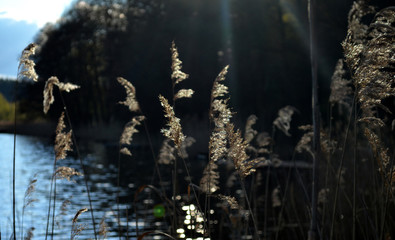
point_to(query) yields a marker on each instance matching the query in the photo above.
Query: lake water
(34, 160)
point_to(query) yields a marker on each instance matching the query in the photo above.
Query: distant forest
(264, 42)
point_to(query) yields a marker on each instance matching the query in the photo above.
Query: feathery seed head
(284, 118)
(48, 91)
(174, 132)
(26, 65)
(177, 75)
(66, 173)
(128, 132)
(131, 101)
(63, 140)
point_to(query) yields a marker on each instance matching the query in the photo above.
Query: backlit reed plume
(130, 100)
(230, 201)
(174, 130)
(66, 173)
(76, 228)
(26, 65)
(63, 141)
(177, 75)
(219, 115)
(237, 152)
(166, 153)
(283, 120)
(340, 87)
(133, 105)
(369, 51)
(128, 131)
(48, 91)
(209, 183)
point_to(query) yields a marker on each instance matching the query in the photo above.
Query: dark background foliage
(265, 43)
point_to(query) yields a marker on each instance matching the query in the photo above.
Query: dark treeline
(265, 43)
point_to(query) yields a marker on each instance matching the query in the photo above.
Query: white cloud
(38, 12)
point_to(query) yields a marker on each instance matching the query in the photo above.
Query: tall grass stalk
(316, 122)
(340, 169)
(81, 164)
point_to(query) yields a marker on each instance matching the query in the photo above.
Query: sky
(20, 20)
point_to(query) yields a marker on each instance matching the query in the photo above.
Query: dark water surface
(35, 159)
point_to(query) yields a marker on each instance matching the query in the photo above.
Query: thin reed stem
(53, 209)
(81, 164)
(256, 233)
(13, 163)
(340, 170)
(50, 199)
(118, 189)
(316, 122)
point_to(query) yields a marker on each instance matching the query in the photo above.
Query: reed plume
(177, 75)
(26, 65)
(174, 130)
(128, 132)
(340, 86)
(130, 101)
(230, 201)
(220, 115)
(103, 228)
(76, 229)
(369, 51)
(63, 141)
(66, 173)
(237, 152)
(48, 91)
(283, 121)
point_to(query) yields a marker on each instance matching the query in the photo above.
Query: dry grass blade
(130, 101)
(63, 140)
(174, 132)
(78, 214)
(26, 65)
(76, 229)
